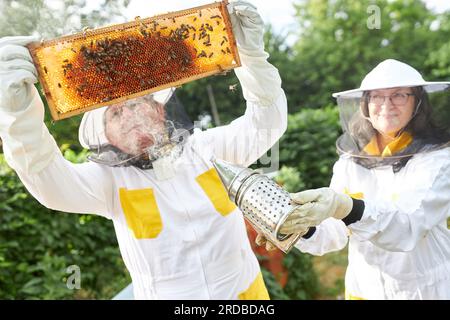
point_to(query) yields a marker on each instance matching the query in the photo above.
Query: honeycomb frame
(95, 68)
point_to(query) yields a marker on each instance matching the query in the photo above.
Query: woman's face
(391, 109)
(133, 128)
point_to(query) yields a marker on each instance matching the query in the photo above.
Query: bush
(302, 281)
(289, 178)
(309, 145)
(37, 245)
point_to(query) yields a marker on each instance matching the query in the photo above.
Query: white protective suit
(180, 238)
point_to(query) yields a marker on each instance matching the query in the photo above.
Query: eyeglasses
(397, 99)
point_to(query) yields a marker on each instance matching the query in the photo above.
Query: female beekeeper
(390, 190)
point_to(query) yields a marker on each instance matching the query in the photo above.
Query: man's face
(133, 128)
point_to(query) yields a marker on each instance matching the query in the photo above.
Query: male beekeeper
(178, 232)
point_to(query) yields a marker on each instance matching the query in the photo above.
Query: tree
(227, 90)
(341, 40)
(438, 61)
(50, 18)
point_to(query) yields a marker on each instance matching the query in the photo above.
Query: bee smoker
(264, 204)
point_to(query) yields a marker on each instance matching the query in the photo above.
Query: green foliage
(226, 89)
(336, 48)
(230, 103)
(274, 288)
(302, 283)
(55, 18)
(438, 60)
(309, 145)
(289, 178)
(37, 245)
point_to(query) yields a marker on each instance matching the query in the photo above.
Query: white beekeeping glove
(260, 80)
(17, 73)
(316, 205)
(248, 28)
(27, 144)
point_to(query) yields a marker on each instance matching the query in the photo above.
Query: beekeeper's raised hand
(248, 27)
(27, 144)
(17, 73)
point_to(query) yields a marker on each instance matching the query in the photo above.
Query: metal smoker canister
(264, 204)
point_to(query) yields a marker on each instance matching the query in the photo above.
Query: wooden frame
(55, 92)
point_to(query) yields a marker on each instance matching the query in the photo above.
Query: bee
(59, 85)
(211, 54)
(45, 69)
(85, 30)
(143, 32)
(232, 87)
(203, 54)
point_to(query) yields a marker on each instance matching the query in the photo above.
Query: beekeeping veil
(421, 134)
(136, 132)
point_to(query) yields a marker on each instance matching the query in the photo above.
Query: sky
(279, 13)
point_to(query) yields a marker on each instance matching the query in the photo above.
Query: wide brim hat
(392, 74)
